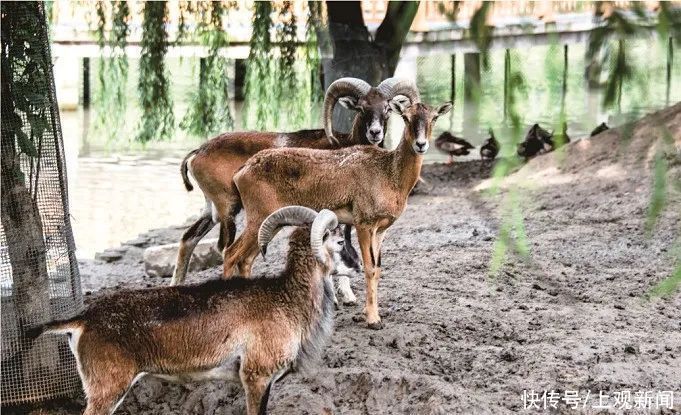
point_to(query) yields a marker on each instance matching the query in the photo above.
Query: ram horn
(340, 88)
(324, 221)
(289, 215)
(392, 87)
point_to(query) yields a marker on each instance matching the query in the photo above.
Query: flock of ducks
(537, 141)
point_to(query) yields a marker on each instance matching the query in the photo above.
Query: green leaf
(38, 125)
(25, 144)
(668, 285)
(658, 199)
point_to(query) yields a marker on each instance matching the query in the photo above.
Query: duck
(452, 145)
(553, 141)
(490, 148)
(601, 127)
(536, 141)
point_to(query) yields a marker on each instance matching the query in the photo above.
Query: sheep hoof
(350, 302)
(376, 326)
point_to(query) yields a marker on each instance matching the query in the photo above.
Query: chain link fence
(39, 278)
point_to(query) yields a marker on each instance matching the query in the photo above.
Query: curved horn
(339, 88)
(392, 87)
(324, 221)
(289, 215)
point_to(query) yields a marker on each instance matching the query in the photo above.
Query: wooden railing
(76, 20)
(430, 13)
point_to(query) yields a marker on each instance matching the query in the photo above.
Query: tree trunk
(23, 231)
(471, 94)
(356, 54)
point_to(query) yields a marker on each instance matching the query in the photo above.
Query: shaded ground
(457, 341)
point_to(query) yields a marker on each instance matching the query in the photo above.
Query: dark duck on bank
(554, 141)
(452, 145)
(490, 148)
(599, 129)
(536, 142)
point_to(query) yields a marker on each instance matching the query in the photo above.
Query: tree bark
(356, 54)
(471, 94)
(23, 230)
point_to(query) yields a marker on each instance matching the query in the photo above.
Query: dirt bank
(457, 341)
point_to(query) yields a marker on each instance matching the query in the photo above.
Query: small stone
(109, 256)
(508, 355)
(138, 242)
(159, 261)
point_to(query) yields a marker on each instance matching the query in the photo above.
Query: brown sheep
(252, 330)
(365, 186)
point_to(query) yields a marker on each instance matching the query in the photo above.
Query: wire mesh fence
(39, 278)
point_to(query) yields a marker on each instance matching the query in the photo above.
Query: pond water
(118, 189)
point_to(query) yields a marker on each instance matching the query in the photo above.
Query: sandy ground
(572, 317)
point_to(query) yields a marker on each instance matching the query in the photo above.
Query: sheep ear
(399, 104)
(349, 102)
(444, 108)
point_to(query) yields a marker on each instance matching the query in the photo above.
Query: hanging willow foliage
(259, 104)
(312, 58)
(185, 8)
(617, 28)
(612, 37)
(512, 234)
(283, 93)
(288, 92)
(113, 71)
(157, 120)
(209, 111)
(481, 32)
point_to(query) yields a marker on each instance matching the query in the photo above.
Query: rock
(159, 261)
(138, 242)
(630, 349)
(508, 355)
(109, 255)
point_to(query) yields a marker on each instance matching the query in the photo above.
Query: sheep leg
(335, 299)
(257, 388)
(345, 291)
(105, 370)
(228, 225)
(376, 242)
(190, 239)
(106, 389)
(246, 262)
(364, 235)
(244, 244)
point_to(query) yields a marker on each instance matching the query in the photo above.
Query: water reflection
(115, 194)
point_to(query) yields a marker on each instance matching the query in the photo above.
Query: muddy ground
(572, 317)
